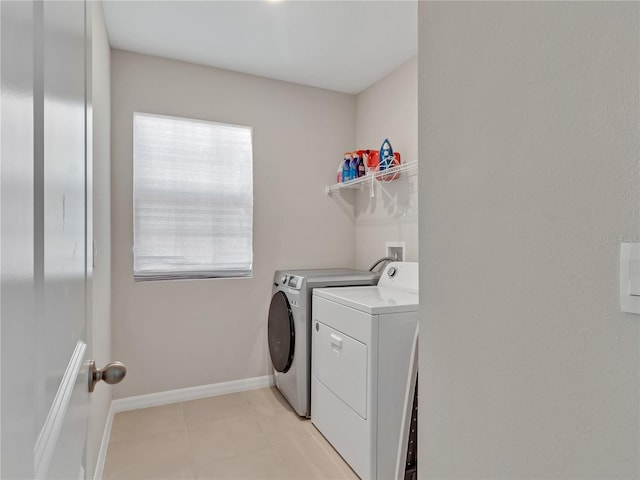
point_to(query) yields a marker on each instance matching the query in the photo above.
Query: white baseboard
(191, 393)
(172, 396)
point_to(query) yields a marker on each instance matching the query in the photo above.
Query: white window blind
(193, 198)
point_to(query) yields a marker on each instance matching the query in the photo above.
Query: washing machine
(289, 326)
(364, 370)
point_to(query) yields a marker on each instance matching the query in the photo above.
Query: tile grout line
(333, 458)
(322, 448)
(276, 414)
(272, 444)
(262, 428)
(250, 413)
(257, 419)
(186, 427)
(138, 438)
(269, 406)
(242, 394)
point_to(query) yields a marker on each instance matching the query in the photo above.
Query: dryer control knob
(283, 279)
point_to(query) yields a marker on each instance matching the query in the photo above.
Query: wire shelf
(372, 178)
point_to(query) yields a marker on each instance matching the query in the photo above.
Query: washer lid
(372, 300)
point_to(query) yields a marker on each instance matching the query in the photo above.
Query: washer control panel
(291, 281)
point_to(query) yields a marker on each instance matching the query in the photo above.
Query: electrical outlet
(395, 250)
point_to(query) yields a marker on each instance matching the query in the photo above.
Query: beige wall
(389, 109)
(101, 282)
(185, 333)
(529, 137)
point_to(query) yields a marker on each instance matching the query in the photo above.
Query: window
(192, 198)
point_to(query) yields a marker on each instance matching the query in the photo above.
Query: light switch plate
(634, 277)
(630, 277)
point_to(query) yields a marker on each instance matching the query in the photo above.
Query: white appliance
(289, 327)
(364, 353)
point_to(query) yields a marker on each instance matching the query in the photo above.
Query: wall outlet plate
(395, 250)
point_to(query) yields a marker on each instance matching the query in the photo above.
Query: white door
(43, 235)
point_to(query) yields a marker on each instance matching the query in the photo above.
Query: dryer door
(281, 333)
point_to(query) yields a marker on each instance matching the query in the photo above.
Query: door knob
(112, 373)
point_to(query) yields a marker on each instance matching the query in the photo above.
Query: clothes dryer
(289, 326)
(364, 370)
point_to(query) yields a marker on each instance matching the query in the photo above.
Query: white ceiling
(338, 45)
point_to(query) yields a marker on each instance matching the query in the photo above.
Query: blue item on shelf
(346, 168)
(353, 166)
(386, 155)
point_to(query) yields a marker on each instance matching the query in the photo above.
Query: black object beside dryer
(289, 326)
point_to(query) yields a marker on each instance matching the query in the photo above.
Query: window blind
(193, 198)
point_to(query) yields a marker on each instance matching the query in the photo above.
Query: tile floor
(247, 435)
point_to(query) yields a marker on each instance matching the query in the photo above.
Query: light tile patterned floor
(248, 435)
